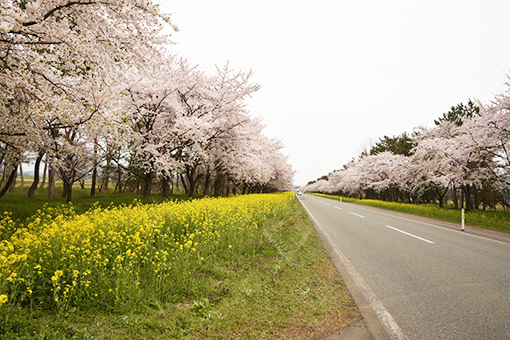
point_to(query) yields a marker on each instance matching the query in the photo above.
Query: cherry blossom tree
(448, 157)
(83, 80)
(59, 60)
(241, 159)
(151, 112)
(186, 123)
(210, 118)
(437, 166)
(488, 135)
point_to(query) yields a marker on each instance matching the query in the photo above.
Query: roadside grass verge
(249, 267)
(495, 220)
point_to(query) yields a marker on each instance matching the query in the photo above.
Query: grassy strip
(272, 281)
(23, 208)
(495, 220)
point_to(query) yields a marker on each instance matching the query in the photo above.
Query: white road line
(326, 203)
(404, 232)
(338, 208)
(389, 324)
(432, 225)
(357, 215)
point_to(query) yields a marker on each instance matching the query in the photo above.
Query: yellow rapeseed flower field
(108, 258)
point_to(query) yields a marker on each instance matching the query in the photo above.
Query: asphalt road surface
(421, 279)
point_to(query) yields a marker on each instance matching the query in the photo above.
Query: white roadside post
(462, 219)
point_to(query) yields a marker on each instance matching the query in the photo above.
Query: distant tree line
(463, 159)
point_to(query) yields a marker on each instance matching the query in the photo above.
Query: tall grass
(495, 220)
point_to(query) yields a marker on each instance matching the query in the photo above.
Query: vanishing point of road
(418, 278)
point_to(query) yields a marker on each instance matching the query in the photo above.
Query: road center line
(376, 210)
(338, 208)
(404, 232)
(327, 203)
(357, 215)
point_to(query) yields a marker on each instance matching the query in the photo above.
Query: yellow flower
(3, 299)
(56, 277)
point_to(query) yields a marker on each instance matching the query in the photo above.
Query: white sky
(338, 75)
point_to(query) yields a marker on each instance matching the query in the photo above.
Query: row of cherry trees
(87, 83)
(464, 158)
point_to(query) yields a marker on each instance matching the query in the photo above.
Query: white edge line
(430, 224)
(389, 324)
(409, 234)
(357, 215)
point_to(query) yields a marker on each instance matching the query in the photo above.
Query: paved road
(422, 280)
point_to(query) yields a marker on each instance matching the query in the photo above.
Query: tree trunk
(469, 201)
(44, 174)
(216, 186)
(440, 199)
(191, 189)
(51, 182)
(94, 180)
(455, 197)
(33, 187)
(106, 175)
(12, 178)
(65, 185)
(70, 193)
(21, 176)
(207, 182)
(13, 182)
(94, 171)
(193, 180)
(440, 195)
(126, 183)
(165, 187)
(147, 185)
(184, 185)
(119, 174)
(476, 202)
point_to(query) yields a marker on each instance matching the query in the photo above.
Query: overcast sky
(338, 75)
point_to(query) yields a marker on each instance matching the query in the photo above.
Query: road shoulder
(358, 331)
(369, 328)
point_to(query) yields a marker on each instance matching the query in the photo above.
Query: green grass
(287, 289)
(495, 220)
(22, 208)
